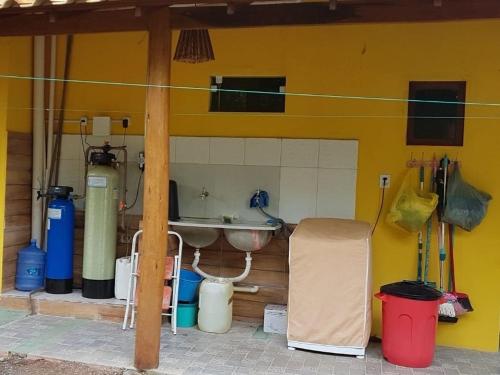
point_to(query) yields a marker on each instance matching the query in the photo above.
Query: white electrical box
(101, 126)
(275, 319)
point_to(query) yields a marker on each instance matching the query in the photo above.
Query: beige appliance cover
(330, 283)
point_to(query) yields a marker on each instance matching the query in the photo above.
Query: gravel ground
(18, 364)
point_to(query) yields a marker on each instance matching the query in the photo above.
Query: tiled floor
(244, 350)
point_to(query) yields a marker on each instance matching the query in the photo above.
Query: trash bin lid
(412, 290)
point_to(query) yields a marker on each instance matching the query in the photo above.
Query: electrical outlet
(141, 161)
(125, 122)
(385, 181)
(84, 121)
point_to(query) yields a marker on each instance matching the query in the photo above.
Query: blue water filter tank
(60, 236)
(30, 271)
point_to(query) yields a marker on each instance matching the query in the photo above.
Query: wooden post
(154, 242)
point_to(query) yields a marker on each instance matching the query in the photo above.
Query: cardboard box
(275, 319)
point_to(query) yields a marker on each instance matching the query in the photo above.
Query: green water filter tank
(99, 247)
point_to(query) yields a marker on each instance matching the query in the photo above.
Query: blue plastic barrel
(30, 272)
(188, 286)
(60, 235)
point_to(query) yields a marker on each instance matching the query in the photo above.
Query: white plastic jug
(216, 306)
(122, 276)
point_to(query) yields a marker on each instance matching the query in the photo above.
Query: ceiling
(30, 17)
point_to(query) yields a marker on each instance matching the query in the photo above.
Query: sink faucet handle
(204, 193)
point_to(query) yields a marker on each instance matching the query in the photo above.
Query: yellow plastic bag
(411, 209)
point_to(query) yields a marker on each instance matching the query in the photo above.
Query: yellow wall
(118, 57)
(370, 60)
(375, 60)
(19, 91)
(15, 104)
(15, 101)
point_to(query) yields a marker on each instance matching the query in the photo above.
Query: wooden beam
(155, 236)
(345, 13)
(71, 23)
(128, 19)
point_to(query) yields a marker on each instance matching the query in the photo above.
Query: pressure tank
(216, 306)
(30, 270)
(60, 236)
(101, 210)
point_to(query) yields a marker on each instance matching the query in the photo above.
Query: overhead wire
(284, 93)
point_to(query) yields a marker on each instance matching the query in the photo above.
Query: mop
(446, 309)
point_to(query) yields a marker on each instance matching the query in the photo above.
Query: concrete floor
(244, 350)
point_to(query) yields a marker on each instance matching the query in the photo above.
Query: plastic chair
(170, 294)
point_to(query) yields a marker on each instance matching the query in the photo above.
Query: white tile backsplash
(192, 150)
(235, 185)
(263, 151)
(134, 143)
(133, 176)
(227, 151)
(300, 153)
(191, 178)
(71, 147)
(336, 193)
(286, 168)
(172, 144)
(298, 191)
(338, 153)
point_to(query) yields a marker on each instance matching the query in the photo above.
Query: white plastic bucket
(122, 276)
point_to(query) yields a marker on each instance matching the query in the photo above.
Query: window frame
(217, 92)
(413, 88)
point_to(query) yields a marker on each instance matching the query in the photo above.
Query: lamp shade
(194, 46)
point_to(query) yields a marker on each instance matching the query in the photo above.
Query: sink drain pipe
(248, 260)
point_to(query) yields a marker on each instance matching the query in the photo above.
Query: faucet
(204, 193)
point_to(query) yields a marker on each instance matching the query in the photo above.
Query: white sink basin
(194, 236)
(247, 239)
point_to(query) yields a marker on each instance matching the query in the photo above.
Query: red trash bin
(409, 320)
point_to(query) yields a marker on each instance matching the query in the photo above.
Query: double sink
(246, 236)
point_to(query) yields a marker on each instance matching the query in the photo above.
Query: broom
(446, 309)
(463, 304)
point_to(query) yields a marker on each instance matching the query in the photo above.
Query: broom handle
(420, 234)
(442, 256)
(442, 251)
(451, 228)
(429, 225)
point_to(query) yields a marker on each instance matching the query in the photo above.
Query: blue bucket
(188, 286)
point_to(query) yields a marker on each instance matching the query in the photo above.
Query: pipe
(54, 165)
(246, 289)
(50, 130)
(52, 92)
(236, 279)
(38, 138)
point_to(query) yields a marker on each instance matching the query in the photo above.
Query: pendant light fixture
(194, 46)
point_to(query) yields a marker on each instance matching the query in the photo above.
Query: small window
(239, 96)
(436, 124)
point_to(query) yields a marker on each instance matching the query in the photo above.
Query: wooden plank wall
(269, 271)
(17, 203)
